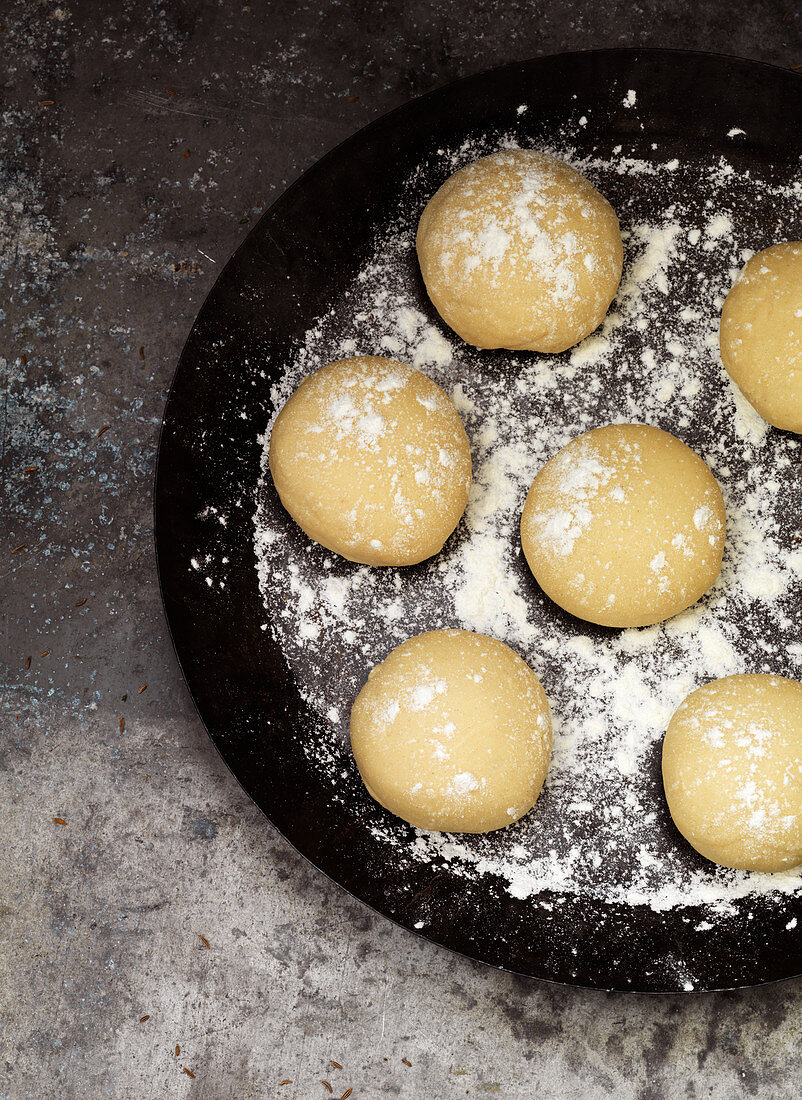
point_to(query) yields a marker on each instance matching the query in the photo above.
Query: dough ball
(624, 526)
(452, 732)
(371, 459)
(518, 250)
(761, 334)
(732, 770)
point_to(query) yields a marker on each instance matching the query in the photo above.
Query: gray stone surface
(139, 141)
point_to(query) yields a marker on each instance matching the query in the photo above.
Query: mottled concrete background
(139, 142)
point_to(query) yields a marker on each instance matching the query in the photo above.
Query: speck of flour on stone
(601, 827)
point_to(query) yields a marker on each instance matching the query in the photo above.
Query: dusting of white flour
(601, 827)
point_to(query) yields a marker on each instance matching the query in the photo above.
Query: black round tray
(284, 274)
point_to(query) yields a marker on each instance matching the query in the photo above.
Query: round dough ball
(761, 334)
(452, 732)
(624, 526)
(370, 458)
(520, 251)
(732, 770)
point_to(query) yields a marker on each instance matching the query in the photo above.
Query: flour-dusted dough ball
(624, 526)
(370, 458)
(452, 732)
(518, 250)
(732, 770)
(761, 334)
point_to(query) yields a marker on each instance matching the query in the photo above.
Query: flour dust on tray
(601, 827)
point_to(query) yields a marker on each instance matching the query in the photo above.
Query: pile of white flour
(601, 827)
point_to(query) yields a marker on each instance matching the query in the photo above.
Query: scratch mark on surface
(150, 99)
(384, 1006)
(5, 428)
